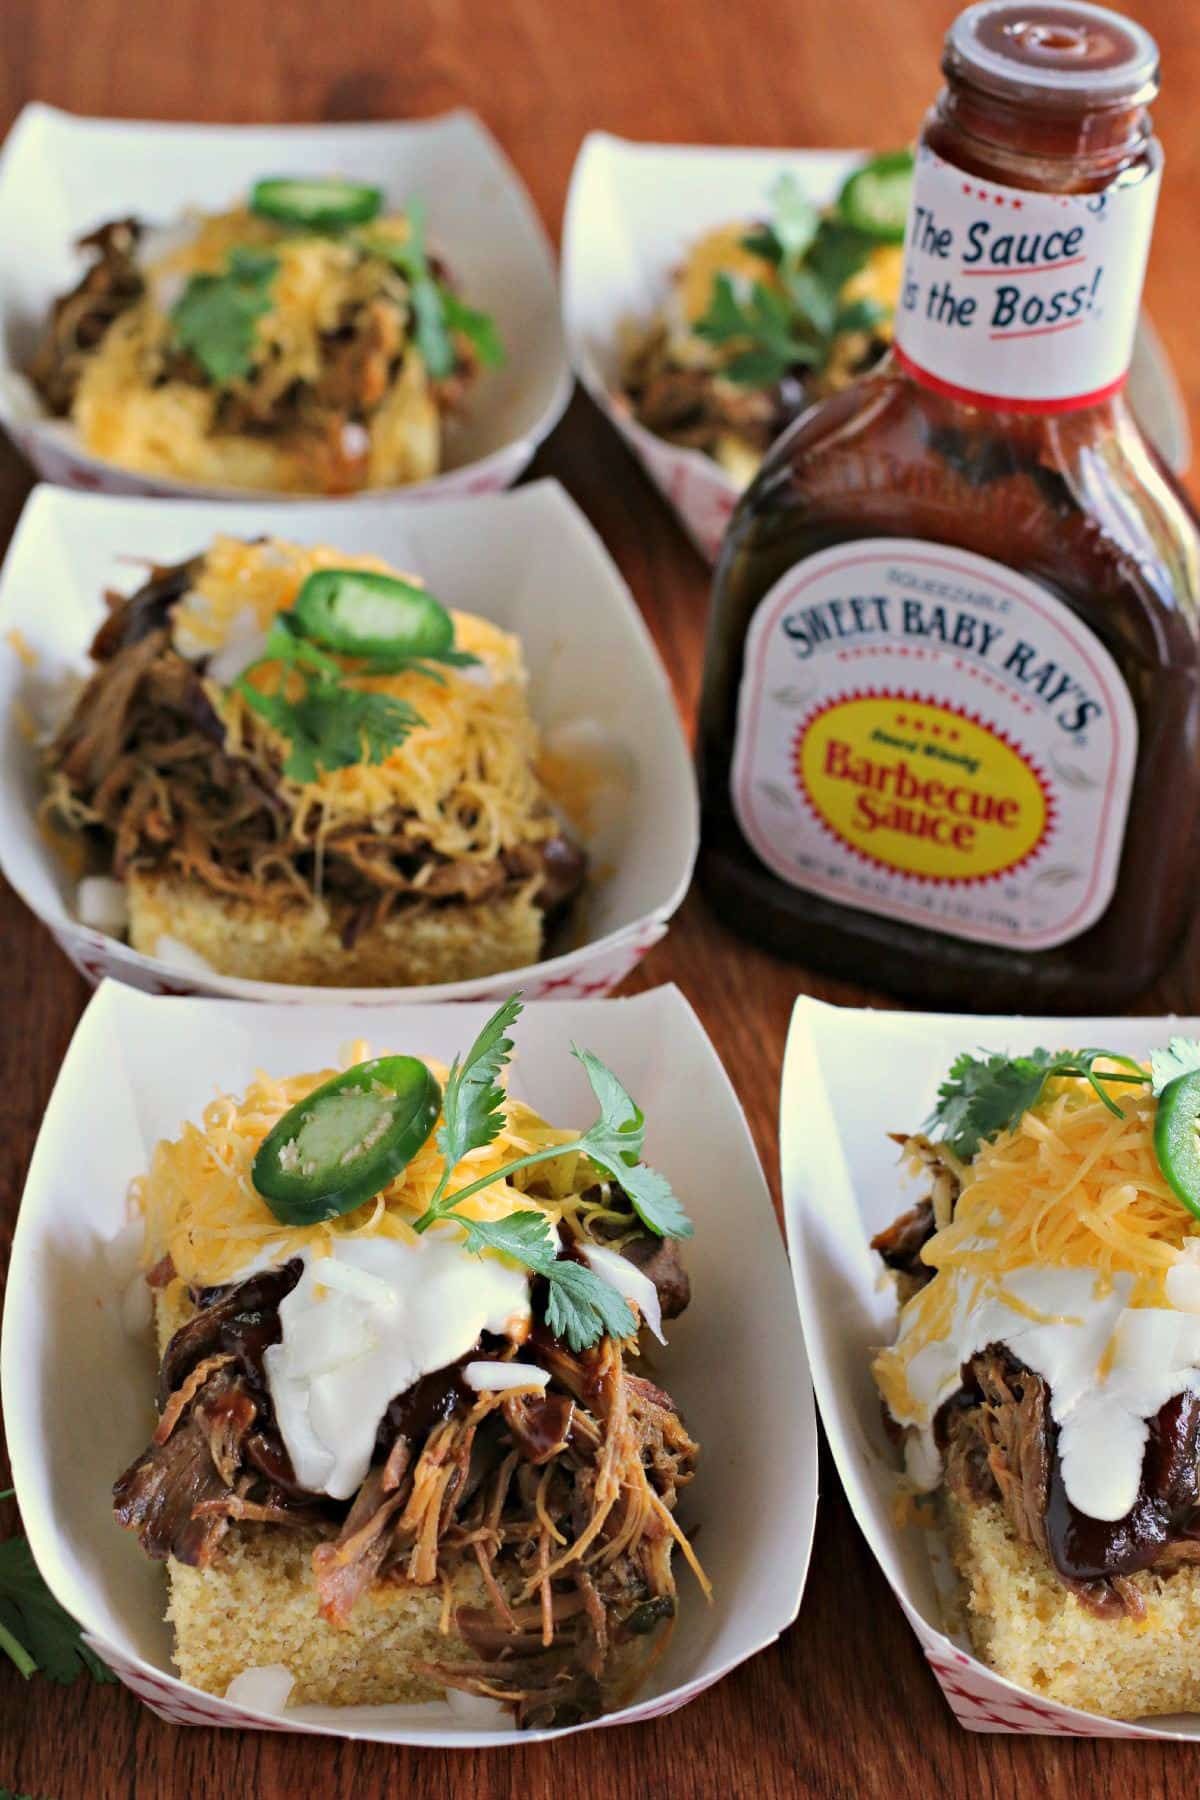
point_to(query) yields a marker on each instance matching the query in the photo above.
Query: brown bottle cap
(1048, 50)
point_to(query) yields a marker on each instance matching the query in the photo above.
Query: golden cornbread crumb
(1027, 1626)
(413, 947)
(257, 1604)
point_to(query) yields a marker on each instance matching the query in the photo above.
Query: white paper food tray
(78, 1390)
(529, 560)
(61, 176)
(633, 212)
(849, 1078)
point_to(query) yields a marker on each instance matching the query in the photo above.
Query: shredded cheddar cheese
(200, 1206)
(467, 774)
(1071, 1186)
(126, 412)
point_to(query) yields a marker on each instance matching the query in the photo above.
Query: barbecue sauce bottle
(950, 727)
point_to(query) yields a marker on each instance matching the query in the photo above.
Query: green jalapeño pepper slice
(359, 613)
(345, 1141)
(874, 199)
(315, 205)
(1177, 1138)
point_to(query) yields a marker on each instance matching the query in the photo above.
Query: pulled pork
(999, 1443)
(900, 1244)
(698, 408)
(141, 766)
(563, 1501)
(111, 285)
(360, 360)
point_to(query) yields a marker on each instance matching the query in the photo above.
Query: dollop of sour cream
(365, 1323)
(1110, 1367)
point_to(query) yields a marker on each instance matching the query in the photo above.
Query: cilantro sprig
(986, 1094)
(794, 322)
(35, 1633)
(438, 313)
(328, 725)
(580, 1306)
(216, 317)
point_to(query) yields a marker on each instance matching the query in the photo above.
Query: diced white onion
(491, 1377)
(1183, 1278)
(100, 902)
(227, 663)
(266, 1689)
(182, 957)
(480, 1710)
(630, 1283)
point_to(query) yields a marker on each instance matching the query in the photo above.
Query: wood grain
(844, 1704)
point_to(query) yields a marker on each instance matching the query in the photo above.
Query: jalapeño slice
(345, 1141)
(316, 204)
(1177, 1138)
(874, 199)
(360, 613)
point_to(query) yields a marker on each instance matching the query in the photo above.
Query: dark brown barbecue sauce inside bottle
(950, 729)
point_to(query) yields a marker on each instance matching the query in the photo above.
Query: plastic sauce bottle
(950, 728)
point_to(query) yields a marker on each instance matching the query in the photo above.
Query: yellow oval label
(920, 788)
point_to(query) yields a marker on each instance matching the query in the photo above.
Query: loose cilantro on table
(35, 1633)
(216, 317)
(794, 322)
(580, 1305)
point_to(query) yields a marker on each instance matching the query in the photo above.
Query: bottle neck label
(1019, 301)
(926, 734)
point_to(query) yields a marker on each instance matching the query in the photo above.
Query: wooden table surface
(845, 1704)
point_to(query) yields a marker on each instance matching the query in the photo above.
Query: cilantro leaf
(33, 1624)
(580, 1305)
(215, 319)
(615, 1143)
(525, 1236)
(792, 323)
(859, 315)
(1181, 1057)
(330, 726)
(838, 252)
(583, 1308)
(762, 324)
(479, 328)
(436, 311)
(987, 1094)
(473, 1100)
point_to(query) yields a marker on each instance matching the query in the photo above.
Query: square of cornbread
(256, 1604)
(1027, 1626)
(415, 946)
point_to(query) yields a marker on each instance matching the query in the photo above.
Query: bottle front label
(925, 734)
(1017, 299)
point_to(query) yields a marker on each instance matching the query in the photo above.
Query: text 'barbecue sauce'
(950, 731)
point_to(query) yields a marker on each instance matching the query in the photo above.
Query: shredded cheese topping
(467, 775)
(126, 412)
(1072, 1187)
(200, 1206)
